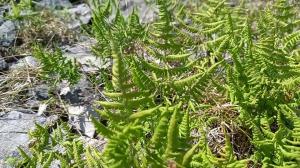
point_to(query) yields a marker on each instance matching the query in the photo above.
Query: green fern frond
(144, 113)
(102, 129)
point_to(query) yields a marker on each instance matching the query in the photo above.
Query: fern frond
(291, 41)
(184, 127)
(172, 133)
(144, 113)
(102, 129)
(188, 155)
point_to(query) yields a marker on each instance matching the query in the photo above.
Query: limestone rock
(54, 4)
(7, 33)
(82, 53)
(14, 130)
(26, 62)
(3, 64)
(80, 14)
(79, 117)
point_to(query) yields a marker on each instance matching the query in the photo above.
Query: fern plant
(256, 82)
(50, 147)
(152, 95)
(160, 106)
(56, 66)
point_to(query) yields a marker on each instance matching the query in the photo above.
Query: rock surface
(80, 14)
(146, 11)
(80, 99)
(40, 92)
(7, 33)
(3, 64)
(14, 131)
(54, 4)
(82, 122)
(82, 53)
(27, 62)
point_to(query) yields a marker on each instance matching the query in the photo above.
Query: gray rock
(40, 92)
(32, 104)
(80, 14)
(79, 117)
(7, 33)
(3, 64)
(82, 93)
(42, 108)
(80, 98)
(82, 53)
(55, 164)
(147, 11)
(54, 4)
(74, 96)
(27, 62)
(13, 131)
(76, 110)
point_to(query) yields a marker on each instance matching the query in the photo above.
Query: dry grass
(13, 88)
(49, 31)
(222, 117)
(240, 140)
(46, 29)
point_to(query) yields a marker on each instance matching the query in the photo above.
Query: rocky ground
(25, 99)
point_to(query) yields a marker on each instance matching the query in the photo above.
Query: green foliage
(50, 146)
(122, 31)
(56, 66)
(150, 98)
(18, 8)
(165, 95)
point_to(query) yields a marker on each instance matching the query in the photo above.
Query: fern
(254, 79)
(172, 81)
(49, 145)
(57, 67)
